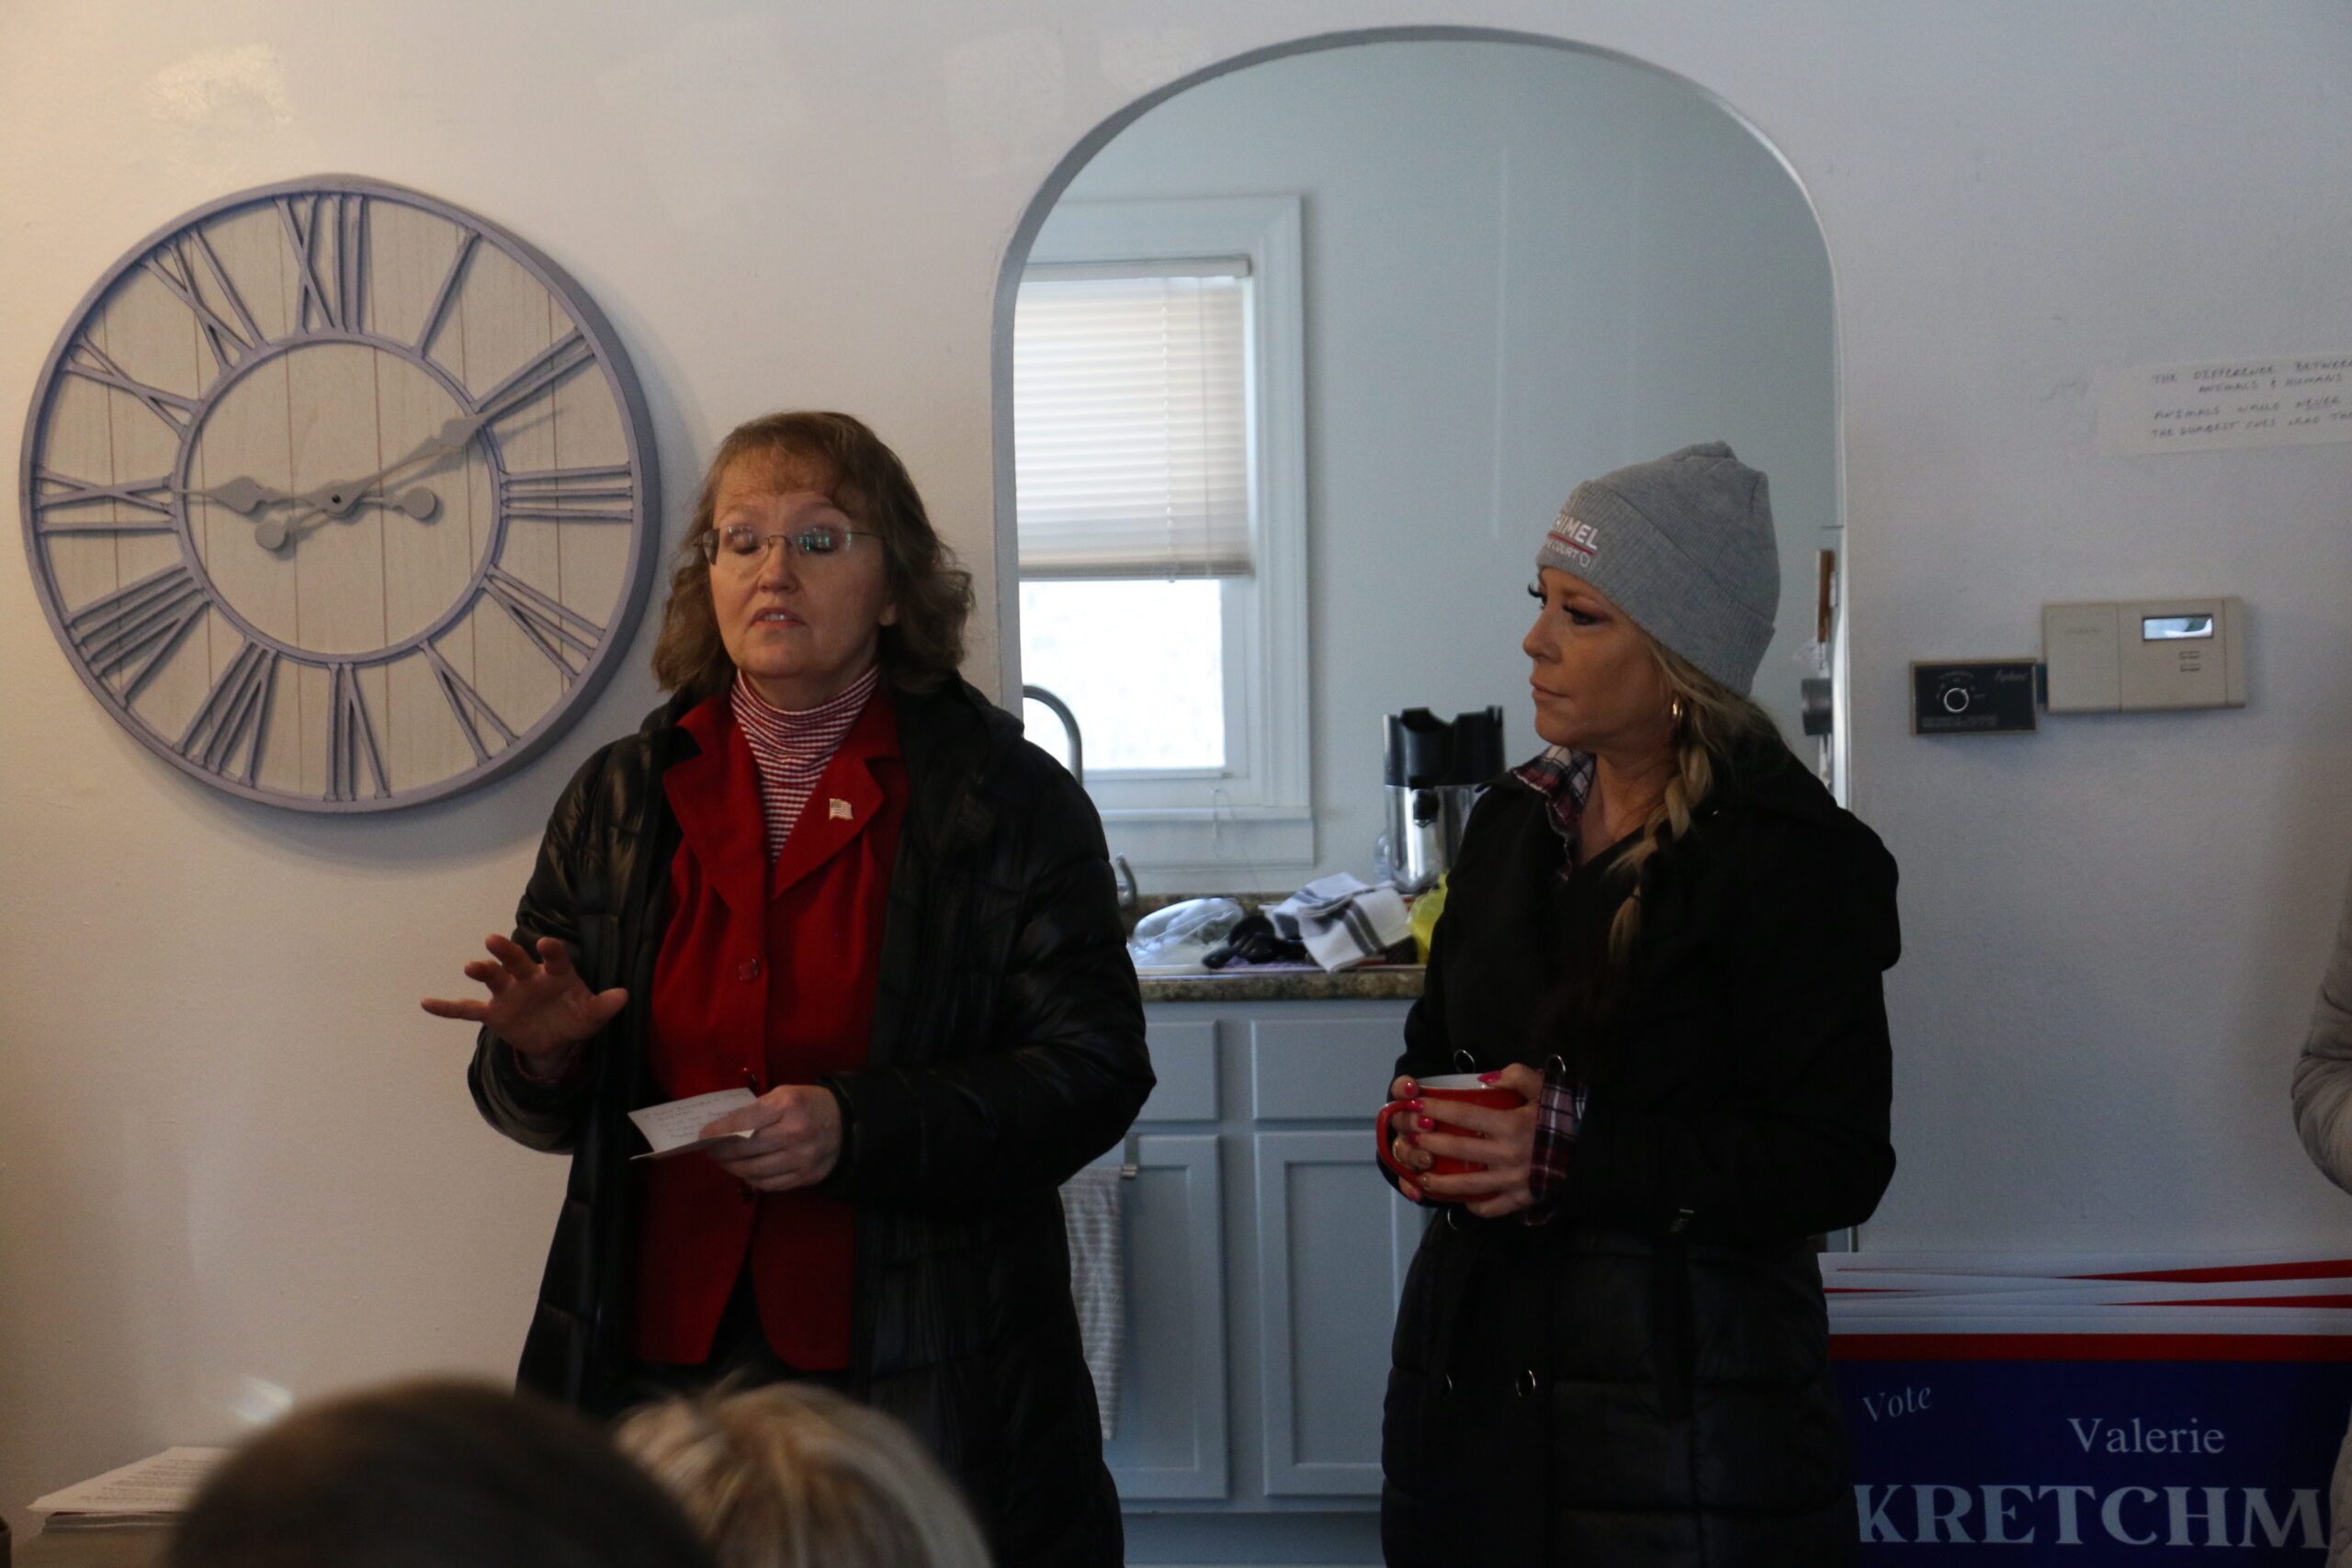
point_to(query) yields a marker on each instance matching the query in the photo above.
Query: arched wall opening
(1525, 262)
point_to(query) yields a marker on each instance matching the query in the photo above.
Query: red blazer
(766, 976)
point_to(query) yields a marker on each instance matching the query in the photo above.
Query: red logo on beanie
(1577, 537)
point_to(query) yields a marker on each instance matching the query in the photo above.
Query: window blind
(1130, 390)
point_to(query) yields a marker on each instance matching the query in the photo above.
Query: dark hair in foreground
(866, 480)
(437, 1475)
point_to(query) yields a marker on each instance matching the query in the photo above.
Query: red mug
(1468, 1087)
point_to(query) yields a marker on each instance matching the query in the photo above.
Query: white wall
(229, 1146)
(1524, 266)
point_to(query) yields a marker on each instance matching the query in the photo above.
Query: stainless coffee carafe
(1433, 771)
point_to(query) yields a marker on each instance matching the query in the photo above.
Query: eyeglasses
(741, 547)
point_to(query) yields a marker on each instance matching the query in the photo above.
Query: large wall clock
(339, 497)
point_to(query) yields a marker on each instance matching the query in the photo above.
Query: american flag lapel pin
(837, 811)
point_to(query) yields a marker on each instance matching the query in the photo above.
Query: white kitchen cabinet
(1265, 1258)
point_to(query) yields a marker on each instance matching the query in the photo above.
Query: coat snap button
(1527, 1385)
(749, 971)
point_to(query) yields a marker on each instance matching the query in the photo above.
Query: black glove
(1253, 942)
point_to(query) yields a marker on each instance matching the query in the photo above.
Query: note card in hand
(675, 1127)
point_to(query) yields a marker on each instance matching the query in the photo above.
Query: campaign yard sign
(2087, 1418)
(2092, 1461)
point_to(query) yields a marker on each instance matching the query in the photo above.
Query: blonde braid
(1717, 722)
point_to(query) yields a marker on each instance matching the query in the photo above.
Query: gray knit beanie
(1684, 546)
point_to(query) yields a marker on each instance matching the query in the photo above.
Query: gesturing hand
(796, 1137)
(539, 1005)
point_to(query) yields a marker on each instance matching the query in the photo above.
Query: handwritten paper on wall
(2285, 401)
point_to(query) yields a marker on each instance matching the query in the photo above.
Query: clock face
(339, 497)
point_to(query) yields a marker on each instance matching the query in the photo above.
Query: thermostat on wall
(2150, 653)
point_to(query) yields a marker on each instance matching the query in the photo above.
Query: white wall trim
(1266, 665)
(1214, 849)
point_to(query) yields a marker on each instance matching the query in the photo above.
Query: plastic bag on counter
(1178, 937)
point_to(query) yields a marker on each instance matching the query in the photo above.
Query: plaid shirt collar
(1564, 778)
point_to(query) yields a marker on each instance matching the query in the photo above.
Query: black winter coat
(1645, 1378)
(1008, 1050)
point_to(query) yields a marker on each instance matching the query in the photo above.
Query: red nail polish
(1428, 1121)
(1489, 1077)
(1413, 1105)
(1412, 1137)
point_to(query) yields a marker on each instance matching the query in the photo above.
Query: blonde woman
(1665, 935)
(794, 1476)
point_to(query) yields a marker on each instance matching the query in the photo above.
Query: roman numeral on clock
(53, 491)
(350, 738)
(233, 723)
(555, 629)
(448, 291)
(471, 709)
(90, 362)
(546, 370)
(171, 265)
(329, 246)
(569, 496)
(131, 630)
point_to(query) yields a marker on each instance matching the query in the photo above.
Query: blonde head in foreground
(792, 1476)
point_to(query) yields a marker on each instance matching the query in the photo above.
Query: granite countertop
(1286, 983)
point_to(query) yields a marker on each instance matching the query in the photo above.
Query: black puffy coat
(1645, 1378)
(1008, 1050)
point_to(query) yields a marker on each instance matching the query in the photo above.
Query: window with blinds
(1131, 419)
(1159, 441)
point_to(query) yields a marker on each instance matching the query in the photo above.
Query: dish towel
(1098, 1281)
(1345, 921)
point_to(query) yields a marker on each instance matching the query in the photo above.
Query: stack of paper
(154, 1490)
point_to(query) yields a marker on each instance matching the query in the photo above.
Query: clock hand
(243, 495)
(275, 533)
(418, 503)
(336, 498)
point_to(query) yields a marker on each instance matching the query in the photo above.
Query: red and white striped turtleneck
(791, 750)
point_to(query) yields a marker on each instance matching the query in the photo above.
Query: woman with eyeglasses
(829, 874)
